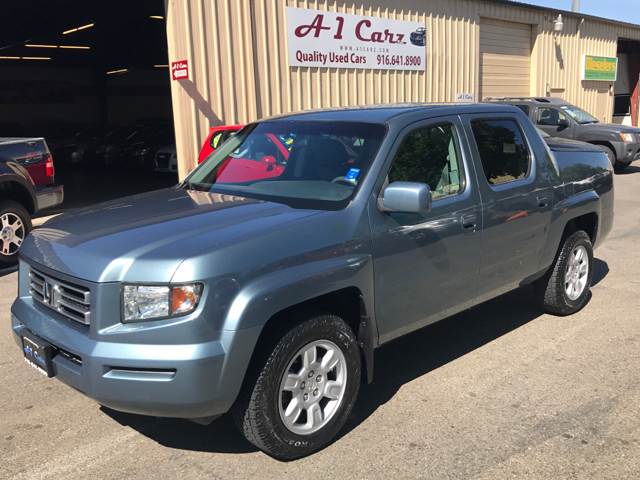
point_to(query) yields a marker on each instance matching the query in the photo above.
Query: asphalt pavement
(500, 391)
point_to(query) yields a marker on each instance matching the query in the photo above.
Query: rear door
(516, 201)
(426, 266)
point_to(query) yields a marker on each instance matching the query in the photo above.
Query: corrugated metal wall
(238, 60)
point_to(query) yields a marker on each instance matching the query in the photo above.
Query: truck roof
(5, 140)
(537, 100)
(384, 113)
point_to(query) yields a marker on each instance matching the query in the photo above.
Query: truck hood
(145, 237)
(566, 144)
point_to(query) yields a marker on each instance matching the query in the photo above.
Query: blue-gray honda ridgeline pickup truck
(264, 282)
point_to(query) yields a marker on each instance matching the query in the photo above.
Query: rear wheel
(304, 392)
(565, 289)
(15, 225)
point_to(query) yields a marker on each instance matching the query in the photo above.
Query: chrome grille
(70, 300)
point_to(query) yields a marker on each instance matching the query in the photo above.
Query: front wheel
(617, 166)
(565, 289)
(15, 225)
(305, 390)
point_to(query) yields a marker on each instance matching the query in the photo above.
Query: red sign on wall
(180, 70)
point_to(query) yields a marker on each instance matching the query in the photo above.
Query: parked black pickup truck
(558, 118)
(27, 185)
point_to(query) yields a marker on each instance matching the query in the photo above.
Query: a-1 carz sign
(319, 38)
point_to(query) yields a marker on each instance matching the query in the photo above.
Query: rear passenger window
(430, 155)
(502, 149)
(524, 108)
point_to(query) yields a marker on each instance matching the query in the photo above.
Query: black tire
(257, 410)
(611, 155)
(617, 166)
(551, 287)
(9, 207)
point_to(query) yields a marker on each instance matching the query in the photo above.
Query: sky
(624, 10)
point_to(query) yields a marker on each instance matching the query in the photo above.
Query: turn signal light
(184, 298)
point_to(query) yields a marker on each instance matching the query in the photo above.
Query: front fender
(269, 294)
(262, 298)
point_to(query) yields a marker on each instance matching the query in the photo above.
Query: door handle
(469, 222)
(543, 201)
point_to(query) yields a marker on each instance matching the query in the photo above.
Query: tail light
(49, 171)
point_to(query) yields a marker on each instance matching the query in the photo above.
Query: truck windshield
(310, 164)
(578, 114)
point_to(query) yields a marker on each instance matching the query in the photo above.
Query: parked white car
(166, 160)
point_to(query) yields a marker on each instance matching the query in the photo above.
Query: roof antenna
(575, 7)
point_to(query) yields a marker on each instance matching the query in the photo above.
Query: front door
(426, 266)
(555, 122)
(517, 200)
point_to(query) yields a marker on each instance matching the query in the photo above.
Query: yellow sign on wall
(604, 69)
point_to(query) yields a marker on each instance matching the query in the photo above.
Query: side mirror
(407, 197)
(563, 123)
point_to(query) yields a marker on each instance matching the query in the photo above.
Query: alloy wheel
(577, 273)
(12, 233)
(312, 387)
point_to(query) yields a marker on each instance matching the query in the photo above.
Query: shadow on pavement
(221, 436)
(600, 270)
(629, 170)
(396, 363)
(8, 271)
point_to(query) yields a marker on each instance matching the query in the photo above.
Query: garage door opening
(92, 78)
(505, 59)
(625, 105)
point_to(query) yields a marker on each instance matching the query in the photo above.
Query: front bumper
(48, 197)
(187, 381)
(628, 152)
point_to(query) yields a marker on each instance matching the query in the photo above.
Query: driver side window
(430, 155)
(551, 117)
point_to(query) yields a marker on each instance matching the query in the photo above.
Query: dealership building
(191, 64)
(248, 59)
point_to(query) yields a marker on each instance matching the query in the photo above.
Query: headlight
(627, 137)
(149, 302)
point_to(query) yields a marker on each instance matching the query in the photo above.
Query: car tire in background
(15, 225)
(565, 289)
(296, 402)
(617, 166)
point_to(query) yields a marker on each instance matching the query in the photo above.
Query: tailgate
(33, 155)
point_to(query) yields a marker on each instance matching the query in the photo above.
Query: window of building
(622, 105)
(503, 151)
(430, 155)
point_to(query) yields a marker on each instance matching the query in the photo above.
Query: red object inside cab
(265, 156)
(216, 136)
